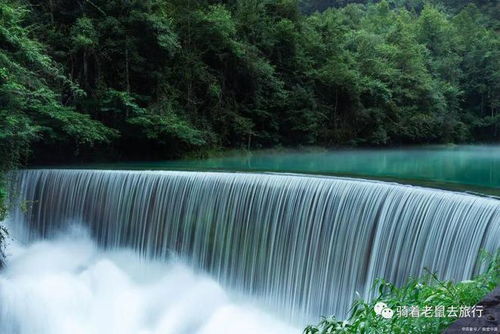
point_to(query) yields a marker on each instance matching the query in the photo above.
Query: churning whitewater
(302, 245)
(68, 285)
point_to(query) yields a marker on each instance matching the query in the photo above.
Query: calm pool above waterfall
(472, 167)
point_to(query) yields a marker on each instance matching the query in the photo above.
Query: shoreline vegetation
(427, 291)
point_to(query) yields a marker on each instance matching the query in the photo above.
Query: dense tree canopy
(35, 94)
(156, 78)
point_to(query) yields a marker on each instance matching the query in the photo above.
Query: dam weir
(304, 245)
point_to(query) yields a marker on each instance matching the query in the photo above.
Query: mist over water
(304, 246)
(69, 285)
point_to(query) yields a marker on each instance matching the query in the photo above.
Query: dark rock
(489, 322)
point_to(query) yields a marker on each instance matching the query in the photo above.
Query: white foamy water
(68, 285)
(304, 245)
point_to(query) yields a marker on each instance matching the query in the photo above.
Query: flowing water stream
(298, 246)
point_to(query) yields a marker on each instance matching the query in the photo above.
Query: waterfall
(303, 244)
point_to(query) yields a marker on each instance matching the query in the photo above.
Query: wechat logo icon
(382, 310)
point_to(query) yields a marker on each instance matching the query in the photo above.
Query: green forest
(102, 80)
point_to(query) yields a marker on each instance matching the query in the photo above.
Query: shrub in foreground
(416, 304)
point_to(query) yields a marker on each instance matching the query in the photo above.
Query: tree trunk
(127, 62)
(85, 68)
(127, 73)
(51, 6)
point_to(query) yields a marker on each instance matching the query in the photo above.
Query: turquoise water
(471, 167)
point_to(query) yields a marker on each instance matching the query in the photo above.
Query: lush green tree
(479, 61)
(35, 95)
(172, 76)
